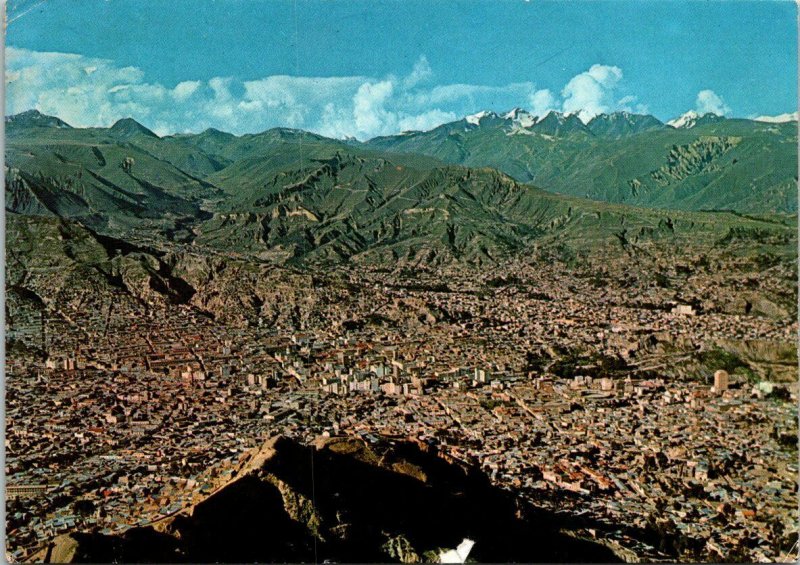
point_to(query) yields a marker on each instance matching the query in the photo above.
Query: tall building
(720, 381)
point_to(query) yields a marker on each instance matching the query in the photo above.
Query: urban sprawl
(560, 389)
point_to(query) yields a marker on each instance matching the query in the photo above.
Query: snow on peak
(459, 554)
(475, 119)
(518, 114)
(560, 117)
(780, 119)
(687, 120)
(621, 115)
(520, 117)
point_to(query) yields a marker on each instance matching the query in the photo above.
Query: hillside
(115, 179)
(171, 302)
(721, 164)
(286, 196)
(359, 209)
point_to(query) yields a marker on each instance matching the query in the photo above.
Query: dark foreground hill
(343, 500)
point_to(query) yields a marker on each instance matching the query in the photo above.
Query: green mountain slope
(356, 207)
(290, 196)
(112, 179)
(718, 164)
(228, 148)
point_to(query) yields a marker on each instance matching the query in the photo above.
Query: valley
(594, 330)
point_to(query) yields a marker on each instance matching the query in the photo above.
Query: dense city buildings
(569, 393)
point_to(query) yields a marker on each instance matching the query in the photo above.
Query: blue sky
(369, 67)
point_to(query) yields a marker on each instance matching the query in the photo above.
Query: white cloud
(592, 92)
(298, 100)
(421, 72)
(541, 102)
(183, 90)
(86, 91)
(630, 103)
(605, 75)
(426, 121)
(220, 86)
(369, 107)
(709, 101)
(61, 84)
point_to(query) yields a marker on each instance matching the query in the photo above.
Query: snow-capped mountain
(517, 117)
(520, 117)
(686, 120)
(475, 119)
(522, 121)
(558, 123)
(691, 119)
(780, 119)
(619, 124)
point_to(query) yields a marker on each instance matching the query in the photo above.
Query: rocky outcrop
(693, 158)
(772, 360)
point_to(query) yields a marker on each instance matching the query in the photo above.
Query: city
(573, 395)
(370, 282)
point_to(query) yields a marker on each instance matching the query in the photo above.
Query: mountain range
(692, 163)
(474, 190)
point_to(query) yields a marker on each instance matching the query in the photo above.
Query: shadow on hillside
(365, 495)
(360, 498)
